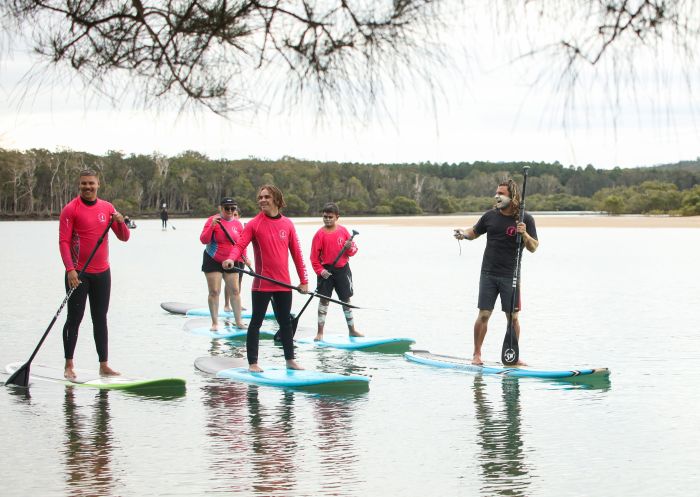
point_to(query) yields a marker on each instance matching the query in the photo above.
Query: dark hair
(331, 207)
(276, 193)
(88, 172)
(514, 192)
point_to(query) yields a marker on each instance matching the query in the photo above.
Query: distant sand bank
(543, 220)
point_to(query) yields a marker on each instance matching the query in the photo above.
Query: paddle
(281, 283)
(510, 351)
(295, 319)
(21, 376)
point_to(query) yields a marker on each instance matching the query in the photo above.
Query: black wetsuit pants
(282, 306)
(97, 287)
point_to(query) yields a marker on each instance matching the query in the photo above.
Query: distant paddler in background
(501, 225)
(82, 223)
(218, 249)
(274, 238)
(331, 248)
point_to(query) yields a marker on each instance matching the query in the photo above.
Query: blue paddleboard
(237, 369)
(464, 364)
(201, 327)
(374, 344)
(199, 311)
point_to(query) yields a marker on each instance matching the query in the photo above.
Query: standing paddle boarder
(218, 249)
(501, 225)
(331, 249)
(274, 238)
(83, 221)
(164, 217)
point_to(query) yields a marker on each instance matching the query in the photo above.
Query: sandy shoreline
(543, 220)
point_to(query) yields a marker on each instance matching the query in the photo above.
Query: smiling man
(82, 222)
(274, 238)
(498, 265)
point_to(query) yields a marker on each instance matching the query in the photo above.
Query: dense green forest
(37, 183)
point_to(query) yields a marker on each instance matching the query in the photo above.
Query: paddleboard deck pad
(369, 344)
(93, 380)
(201, 327)
(464, 364)
(237, 370)
(195, 310)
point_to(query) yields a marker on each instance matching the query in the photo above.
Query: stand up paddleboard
(237, 370)
(93, 380)
(464, 364)
(195, 310)
(201, 327)
(369, 344)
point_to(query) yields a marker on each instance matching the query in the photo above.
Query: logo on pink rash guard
(101, 217)
(511, 231)
(283, 234)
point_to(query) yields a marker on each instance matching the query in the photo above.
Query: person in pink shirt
(82, 222)
(274, 238)
(328, 243)
(218, 249)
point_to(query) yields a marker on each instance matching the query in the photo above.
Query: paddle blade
(20, 377)
(510, 352)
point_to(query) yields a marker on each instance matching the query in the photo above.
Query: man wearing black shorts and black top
(501, 226)
(328, 242)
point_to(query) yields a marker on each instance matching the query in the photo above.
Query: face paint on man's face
(502, 201)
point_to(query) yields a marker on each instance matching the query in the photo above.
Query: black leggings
(282, 305)
(97, 286)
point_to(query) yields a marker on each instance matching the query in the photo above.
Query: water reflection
(243, 429)
(88, 452)
(503, 468)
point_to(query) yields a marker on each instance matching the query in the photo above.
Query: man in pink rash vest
(328, 243)
(82, 222)
(274, 238)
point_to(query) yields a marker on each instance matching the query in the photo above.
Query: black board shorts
(340, 280)
(209, 265)
(491, 286)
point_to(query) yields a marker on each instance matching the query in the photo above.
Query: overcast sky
(487, 108)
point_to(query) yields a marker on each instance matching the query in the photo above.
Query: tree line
(37, 183)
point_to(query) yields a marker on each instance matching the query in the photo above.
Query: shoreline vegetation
(37, 184)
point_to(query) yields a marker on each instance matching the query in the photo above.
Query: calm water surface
(626, 299)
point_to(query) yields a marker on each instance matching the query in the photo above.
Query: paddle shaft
(281, 283)
(295, 319)
(510, 351)
(21, 376)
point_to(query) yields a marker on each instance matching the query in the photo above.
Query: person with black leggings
(83, 221)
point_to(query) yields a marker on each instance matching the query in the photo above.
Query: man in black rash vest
(501, 225)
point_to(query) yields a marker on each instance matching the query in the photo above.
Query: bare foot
(69, 374)
(292, 364)
(214, 327)
(227, 309)
(355, 333)
(318, 338)
(107, 371)
(254, 368)
(241, 326)
(476, 360)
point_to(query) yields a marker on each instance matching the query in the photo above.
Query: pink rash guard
(81, 225)
(326, 245)
(218, 246)
(273, 239)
